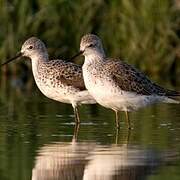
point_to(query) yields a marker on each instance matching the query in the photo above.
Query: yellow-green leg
(76, 113)
(128, 120)
(76, 130)
(117, 135)
(117, 119)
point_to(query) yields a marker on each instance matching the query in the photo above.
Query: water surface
(38, 141)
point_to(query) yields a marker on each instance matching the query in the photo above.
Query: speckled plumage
(128, 78)
(59, 80)
(58, 74)
(117, 85)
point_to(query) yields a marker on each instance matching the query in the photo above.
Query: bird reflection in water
(91, 161)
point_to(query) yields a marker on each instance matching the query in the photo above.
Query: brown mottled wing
(130, 79)
(68, 73)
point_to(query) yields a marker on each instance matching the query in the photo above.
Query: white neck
(37, 60)
(94, 57)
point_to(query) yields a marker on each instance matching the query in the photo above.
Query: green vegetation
(143, 32)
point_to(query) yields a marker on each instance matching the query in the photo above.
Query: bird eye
(30, 47)
(91, 45)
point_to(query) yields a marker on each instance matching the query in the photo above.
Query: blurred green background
(145, 33)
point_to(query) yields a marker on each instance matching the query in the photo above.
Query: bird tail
(173, 96)
(171, 100)
(167, 92)
(171, 93)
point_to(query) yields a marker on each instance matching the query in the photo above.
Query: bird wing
(67, 73)
(130, 79)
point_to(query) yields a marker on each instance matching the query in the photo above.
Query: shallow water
(39, 141)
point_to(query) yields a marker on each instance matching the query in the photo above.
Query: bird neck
(37, 61)
(95, 57)
(40, 56)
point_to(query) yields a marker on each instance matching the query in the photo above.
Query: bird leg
(117, 135)
(76, 113)
(117, 119)
(128, 136)
(76, 130)
(128, 120)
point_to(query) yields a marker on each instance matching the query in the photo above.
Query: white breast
(61, 94)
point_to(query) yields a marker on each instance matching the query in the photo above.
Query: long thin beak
(76, 55)
(11, 59)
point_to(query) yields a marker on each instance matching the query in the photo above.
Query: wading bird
(58, 80)
(115, 84)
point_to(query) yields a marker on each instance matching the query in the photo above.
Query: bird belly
(59, 93)
(117, 99)
(64, 93)
(125, 101)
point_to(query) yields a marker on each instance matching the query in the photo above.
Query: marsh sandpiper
(58, 80)
(117, 85)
